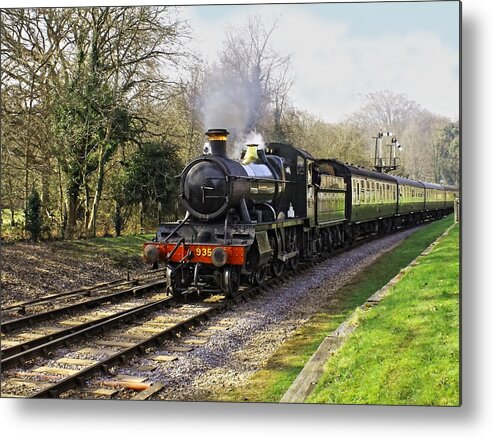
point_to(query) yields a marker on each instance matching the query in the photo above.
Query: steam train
(252, 218)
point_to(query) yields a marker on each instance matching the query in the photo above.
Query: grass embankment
(405, 350)
(119, 249)
(270, 383)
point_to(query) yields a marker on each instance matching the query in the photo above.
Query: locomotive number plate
(203, 251)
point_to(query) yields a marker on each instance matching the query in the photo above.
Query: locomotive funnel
(217, 140)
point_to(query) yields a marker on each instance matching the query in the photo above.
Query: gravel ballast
(254, 330)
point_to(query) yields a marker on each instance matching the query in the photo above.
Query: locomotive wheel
(276, 265)
(329, 241)
(260, 275)
(293, 262)
(292, 245)
(231, 280)
(171, 284)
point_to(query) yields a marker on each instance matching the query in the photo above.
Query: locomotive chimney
(217, 140)
(251, 155)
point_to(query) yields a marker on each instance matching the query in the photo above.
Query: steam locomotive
(252, 218)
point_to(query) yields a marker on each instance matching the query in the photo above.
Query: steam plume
(230, 103)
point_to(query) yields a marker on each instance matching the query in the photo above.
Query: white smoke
(255, 137)
(229, 103)
(244, 139)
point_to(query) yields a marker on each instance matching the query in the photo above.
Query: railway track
(116, 341)
(51, 364)
(79, 361)
(75, 296)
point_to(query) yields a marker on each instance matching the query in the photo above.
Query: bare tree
(262, 70)
(248, 88)
(414, 126)
(385, 110)
(30, 40)
(74, 82)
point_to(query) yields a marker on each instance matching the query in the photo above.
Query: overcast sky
(342, 51)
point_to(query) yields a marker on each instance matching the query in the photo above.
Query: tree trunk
(97, 196)
(26, 182)
(62, 211)
(87, 206)
(141, 212)
(11, 203)
(72, 203)
(45, 192)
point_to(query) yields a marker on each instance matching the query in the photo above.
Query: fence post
(456, 210)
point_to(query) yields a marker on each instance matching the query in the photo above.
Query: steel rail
(28, 345)
(78, 380)
(27, 321)
(82, 291)
(92, 329)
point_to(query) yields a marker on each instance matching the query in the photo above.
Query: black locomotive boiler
(251, 218)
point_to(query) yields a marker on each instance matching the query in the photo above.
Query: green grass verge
(405, 351)
(270, 383)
